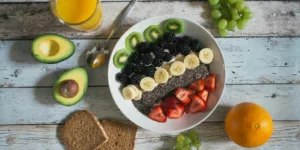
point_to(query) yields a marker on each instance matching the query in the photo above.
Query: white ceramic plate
(186, 121)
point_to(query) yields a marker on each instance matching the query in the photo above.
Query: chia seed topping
(149, 99)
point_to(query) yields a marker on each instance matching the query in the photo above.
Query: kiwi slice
(132, 40)
(121, 58)
(153, 33)
(174, 26)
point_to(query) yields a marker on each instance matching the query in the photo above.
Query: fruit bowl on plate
(166, 74)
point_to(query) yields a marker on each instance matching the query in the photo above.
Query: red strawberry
(197, 85)
(175, 113)
(197, 105)
(157, 114)
(169, 103)
(203, 94)
(210, 82)
(186, 109)
(183, 95)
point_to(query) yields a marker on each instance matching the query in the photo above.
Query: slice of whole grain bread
(83, 132)
(121, 135)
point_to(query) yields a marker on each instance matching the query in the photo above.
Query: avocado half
(79, 75)
(52, 48)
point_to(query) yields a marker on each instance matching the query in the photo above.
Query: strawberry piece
(186, 109)
(169, 103)
(197, 104)
(197, 85)
(183, 95)
(210, 82)
(203, 94)
(157, 114)
(175, 113)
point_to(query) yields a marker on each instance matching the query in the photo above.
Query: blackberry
(185, 40)
(147, 58)
(176, 40)
(168, 57)
(153, 47)
(163, 44)
(171, 47)
(158, 62)
(174, 52)
(159, 53)
(143, 47)
(128, 69)
(149, 71)
(121, 77)
(196, 45)
(183, 49)
(169, 37)
(138, 68)
(135, 58)
(135, 79)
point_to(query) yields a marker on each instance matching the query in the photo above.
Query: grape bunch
(186, 141)
(229, 14)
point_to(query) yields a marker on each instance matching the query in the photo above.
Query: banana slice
(179, 57)
(167, 66)
(139, 95)
(191, 61)
(206, 55)
(177, 68)
(161, 75)
(129, 93)
(148, 84)
(134, 87)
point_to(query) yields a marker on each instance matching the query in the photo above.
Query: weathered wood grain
(272, 18)
(248, 61)
(37, 106)
(37, 137)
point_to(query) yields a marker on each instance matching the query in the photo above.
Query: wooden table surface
(262, 64)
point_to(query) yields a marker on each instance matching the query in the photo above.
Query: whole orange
(248, 125)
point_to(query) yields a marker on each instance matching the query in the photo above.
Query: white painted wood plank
(36, 106)
(272, 18)
(248, 61)
(35, 137)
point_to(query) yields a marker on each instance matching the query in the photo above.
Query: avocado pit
(68, 88)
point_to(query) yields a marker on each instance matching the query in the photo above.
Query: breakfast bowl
(187, 121)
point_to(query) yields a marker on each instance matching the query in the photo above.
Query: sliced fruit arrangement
(190, 100)
(229, 14)
(132, 92)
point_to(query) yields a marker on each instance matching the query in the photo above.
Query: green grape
(231, 25)
(235, 16)
(247, 15)
(217, 6)
(232, 1)
(193, 134)
(216, 14)
(178, 146)
(213, 2)
(239, 5)
(180, 138)
(242, 23)
(234, 11)
(187, 140)
(196, 143)
(222, 24)
(246, 9)
(223, 32)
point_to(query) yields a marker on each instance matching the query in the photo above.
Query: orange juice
(80, 14)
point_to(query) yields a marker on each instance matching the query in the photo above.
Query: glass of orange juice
(83, 15)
